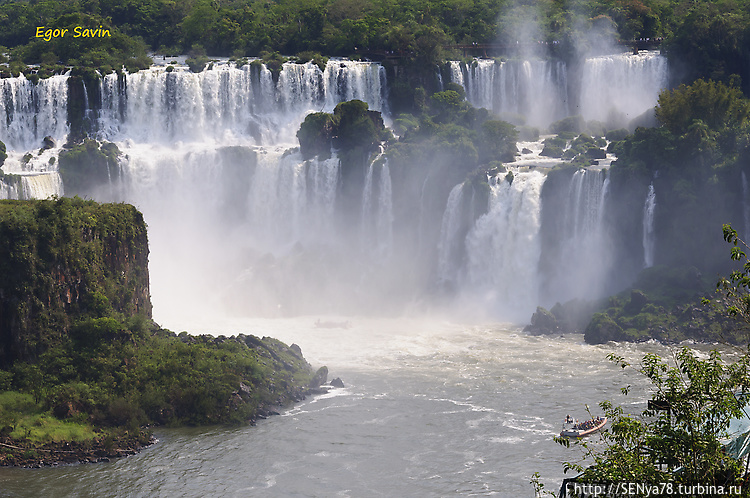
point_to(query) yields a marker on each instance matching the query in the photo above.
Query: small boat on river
(573, 428)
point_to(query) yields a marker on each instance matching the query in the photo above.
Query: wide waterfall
(29, 112)
(534, 89)
(613, 89)
(230, 104)
(238, 219)
(618, 88)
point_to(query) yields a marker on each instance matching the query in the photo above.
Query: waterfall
(41, 186)
(376, 223)
(31, 186)
(31, 111)
(535, 89)
(579, 256)
(290, 199)
(448, 246)
(617, 88)
(613, 89)
(230, 104)
(503, 247)
(649, 236)
(746, 206)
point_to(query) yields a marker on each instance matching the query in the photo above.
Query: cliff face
(64, 260)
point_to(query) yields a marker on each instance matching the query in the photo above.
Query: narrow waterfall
(376, 223)
(503, 247)
(746, 206)
(617, 88)
(291, 199)
(649, 236)
(449, 246)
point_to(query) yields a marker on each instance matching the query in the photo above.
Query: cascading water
(449, 249)
(649, 235)
(503, 247)
(613, 89)
(534, 89)
(229, 104)
(579, 256)
(210, 153)
(617, 88)
(29, 112)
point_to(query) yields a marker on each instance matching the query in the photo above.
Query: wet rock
(337, 382)
(542, 322)
(320, 377)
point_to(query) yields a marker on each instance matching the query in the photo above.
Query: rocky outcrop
(64, 260)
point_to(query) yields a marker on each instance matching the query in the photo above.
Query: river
(430, 408)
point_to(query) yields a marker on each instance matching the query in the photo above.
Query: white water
(503, 248)
(649, 236)
(229, 104)
(450, 246)
(618, 88)
(30, 112)
(376, 224)
(614, 89)
(583, 258)
(534, 89)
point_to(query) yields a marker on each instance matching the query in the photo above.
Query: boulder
(320, 378)
(602, 329)
(542, 322)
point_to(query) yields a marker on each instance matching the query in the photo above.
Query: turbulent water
(430, 408)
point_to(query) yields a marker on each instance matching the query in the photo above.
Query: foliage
(88, 166)
(680, 445)
(709, 33)
(713, 104)
(352, 126)
(110, 52)
(735, 290)
(79, 351)
(66, 258)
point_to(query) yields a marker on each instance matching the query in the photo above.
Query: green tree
(717, 105)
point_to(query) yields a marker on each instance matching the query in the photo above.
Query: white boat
(581, 429)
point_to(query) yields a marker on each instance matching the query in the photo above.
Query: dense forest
(713, 36)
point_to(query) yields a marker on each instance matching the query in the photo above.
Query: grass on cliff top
(25, 419)
(43, 428)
